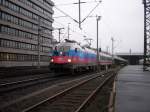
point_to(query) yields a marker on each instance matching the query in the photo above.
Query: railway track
(14, 85)
(51, 92)
(7, 86)
(11, 86)
(21, 71)
(74, 98)
(24, 93)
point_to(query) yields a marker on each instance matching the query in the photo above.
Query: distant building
(24, 24)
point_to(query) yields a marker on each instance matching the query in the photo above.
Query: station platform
(132, 90)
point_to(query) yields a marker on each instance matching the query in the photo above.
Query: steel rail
(21, 81)
(57, 95)
(82, 106)
(5, 87)
(52, 98)
(62, 85)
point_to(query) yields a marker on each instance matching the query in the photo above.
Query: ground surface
(133, 90)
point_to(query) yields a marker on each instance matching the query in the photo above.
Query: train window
(64, 48)
(76, 50)
(55, 52)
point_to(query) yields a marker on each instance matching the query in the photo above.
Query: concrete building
(25, 27)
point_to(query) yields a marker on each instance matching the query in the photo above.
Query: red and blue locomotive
(69, 55)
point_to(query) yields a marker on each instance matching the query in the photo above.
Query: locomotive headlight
(61, 53)
(69, 60)
(52, 60)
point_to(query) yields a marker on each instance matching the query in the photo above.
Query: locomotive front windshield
(61, 51)
(63, 48)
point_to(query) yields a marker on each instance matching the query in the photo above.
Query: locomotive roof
(74, 44)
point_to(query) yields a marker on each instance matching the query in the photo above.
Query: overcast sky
(121, 19)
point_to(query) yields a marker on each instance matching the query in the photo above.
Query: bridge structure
(132, 58)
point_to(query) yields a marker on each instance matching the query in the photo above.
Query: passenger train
(70, 55)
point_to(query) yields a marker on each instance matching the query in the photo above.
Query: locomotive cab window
(76, 50)
(61, 51)
(64, 48)
(55, 52)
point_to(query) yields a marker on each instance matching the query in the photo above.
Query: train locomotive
(71, 56)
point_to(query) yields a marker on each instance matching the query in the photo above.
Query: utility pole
(130, 51)
(39, 43)
(97, 20)
(68, 30)
(79, 13)
(112, 39)
(107, 49)
(59, 31)
(79, 6)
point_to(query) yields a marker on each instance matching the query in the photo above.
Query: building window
(35, 27)
(0, 28)
(15, 20)
(17, 45)
(3, 29)
(28, 13)
(5, 3)
(34, 16)
(16, 8)
(1, 43)
(18, 33)
(0, 15)
(21, 57)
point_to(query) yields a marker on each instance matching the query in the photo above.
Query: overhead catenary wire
(93, 1)
(67, 27)
(85, 33)
(91, 11)
(66, 15)
(59, 16)
(70, 28)
(84, 18)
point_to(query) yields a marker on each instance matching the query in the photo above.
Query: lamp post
(68, 31)
(112, 39)
(59, 31)
(97, 20)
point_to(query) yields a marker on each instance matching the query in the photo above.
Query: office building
(25, 32)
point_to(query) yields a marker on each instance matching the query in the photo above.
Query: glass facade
(24, 24)
(21, 57)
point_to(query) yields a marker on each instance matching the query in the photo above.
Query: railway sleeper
(72, 100)
(62, 109)
(80, 95)
(61, 103)
(72, 105)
